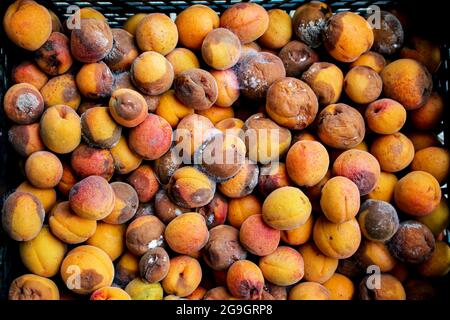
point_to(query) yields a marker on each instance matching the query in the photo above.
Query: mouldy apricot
(389, 36)
(154, 265)
(23, 104)
(33, 287)
(221, 49)
(143, 233)
(378, 220)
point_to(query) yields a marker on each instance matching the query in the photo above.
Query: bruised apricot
(362, 84)
(394, 152)
(245, 280)
(297, 57)
(125, 204)
(378, 220)
(196, 88)
(33, 287)
(243, 183)
(123, 51)
(26, 139)
(95, 80)
(221, 49)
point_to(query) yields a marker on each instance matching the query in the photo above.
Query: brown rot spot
(90, 278)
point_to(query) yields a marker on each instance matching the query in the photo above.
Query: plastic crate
(429, 21)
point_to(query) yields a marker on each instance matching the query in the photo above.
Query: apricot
(218, 293)
(28, 72)
(43, 169)
(132, 22)
(413, 243)
(182, 59)
(128, 107)
(384, 190)
(389, 289)
(43, 254)
(340, 287)
(54, 56)
(154, 265)
(87, 161)
(243, 183)
(23, 104)
(156, 82)
(125, 159)
(248, 21)
(109, 238)
(172, 109)
(257, 72)
(144, 181)
(144, 233)
(165, 209)
(378, 220)
(385, 116)
(438, 265)
(231, 126)
(388, 35)
(337, 240)
(340, 199)
(438, 219)
(92, 41)
(420, 290)
(110, 293)
(309, 291)
(430, 115)
(33, 287)
(408, 82)
(394, 152)
(299, 235)
(156, 32)
(139, 289)
(92, 198)
(340, 126)
(241, 208)
(360, 167)
(184, 276)
(25, 139)
(125, 205)
(265, 140)
(123, 51)
(326, 80)
(126, 269)
(424, 51)
(297, 57)
(47, 197)
(67, 181)
(216, 114)
(61, 90)
(422, 140)
(187, 233)
(86, 269)
(279, 31)
(307, 162)
(95, 80)
(317, 266)
(27, 24)
(347, 36)
(221, 49)
(418, 193)
(309, 22)
(215, 212)
(227, 85)
(362, 84)
(99, 129)
(374, 253)
(257, 237)
(433, 160)
(372, 60)
(245, 280)
(69, 227)
(282, 267)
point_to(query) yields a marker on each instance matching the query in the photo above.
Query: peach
(430, 115)
(282, 267)
(307, 162)
(418, 193)
(33, 287)
(340, 126)
(92, 41)
(240, 209)
(317, 266)
(28, 72)
(297, 57)
(360, 167)
(125, 205)
(27, 24)
(61, 90)
(87, 161)
(245, 280)
(337, 240)
(408, 82)
(385, 116)
(144, 233)
(154, 265)
(299, 235)
(43, 169)
(23, 104)
(25, 139)
(109, 238)
(156, 82)
(132, 22)
(47, 197)
(279, 31)
(43, 255)
(362, 84)
(340, 287)
(196, 88)
(389, 35)
(326, 80)
(69, 227)
(139, 289)
(372, 60)
(184, 276)
(110, 293)
(433, 160)
(194, 23)
(257, 237)
(309, 291)
(347, 36)
(95, 80)
(125, 159)
(54, 56)
(378, 220)
(92, 198)
(86, 269)
(221, 49)
(394, 152)
(340, 199)
(157, 32)
(389, 289)
(123, 51)
(182, 59)
(438, 265)
(243, 183)
(187, 233)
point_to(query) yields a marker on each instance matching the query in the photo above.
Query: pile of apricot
(332, 166)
